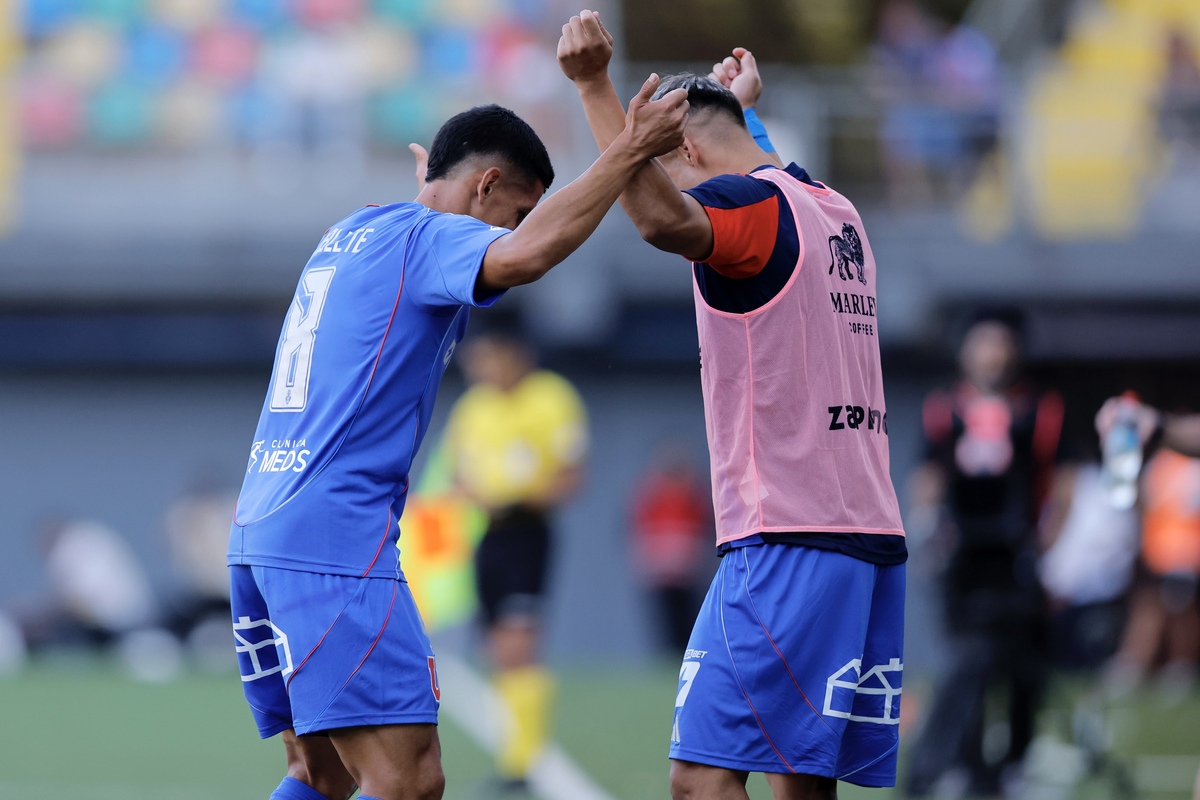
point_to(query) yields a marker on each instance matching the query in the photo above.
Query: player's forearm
(651, 199)
(561, 223)
(603, 109)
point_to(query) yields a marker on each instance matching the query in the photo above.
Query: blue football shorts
(795, 666)
(318, 652)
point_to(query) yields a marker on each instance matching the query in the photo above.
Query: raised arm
(665, 217)
(560, 224)
(739, 73)
(1180, 432)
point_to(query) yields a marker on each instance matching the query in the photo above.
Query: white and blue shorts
(795, 666)
(318, 651)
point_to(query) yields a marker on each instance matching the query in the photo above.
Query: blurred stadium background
(166, 166)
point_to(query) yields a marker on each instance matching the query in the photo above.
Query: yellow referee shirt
(510, 447)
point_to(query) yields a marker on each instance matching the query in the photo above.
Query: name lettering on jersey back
(339, 240)
(852, 417)
(284, 455)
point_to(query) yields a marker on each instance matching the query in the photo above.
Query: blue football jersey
(376, 316)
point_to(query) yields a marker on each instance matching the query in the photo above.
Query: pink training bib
(793, 391)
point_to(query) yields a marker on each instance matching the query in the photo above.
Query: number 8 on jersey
(289, 387)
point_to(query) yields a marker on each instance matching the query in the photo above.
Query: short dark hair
(489, 130)
(1011, 317)
(704, 94)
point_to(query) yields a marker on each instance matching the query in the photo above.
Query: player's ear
(489, 180)
(687, 151)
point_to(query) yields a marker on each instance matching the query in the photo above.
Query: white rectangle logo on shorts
(842, 692)
(253, 638)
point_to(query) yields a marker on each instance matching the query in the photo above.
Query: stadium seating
(1088, 134)
(104, 75)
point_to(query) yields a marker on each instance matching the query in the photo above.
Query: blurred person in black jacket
(992, 442)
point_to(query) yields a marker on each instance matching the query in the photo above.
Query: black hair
(1010, 317)
(493, 131)
(704, 94)
(501, 328)
(499, 323)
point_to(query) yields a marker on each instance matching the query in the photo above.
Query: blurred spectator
(1173, 201)
(968, 83)
(940, 90)
(197, 530)
(310, 110)
(1179, 432)
(516, 441)
(992, 442)
(97, 591)
(1087, 568)
(1164, 617)
(1179, 101)
(318, 79)
(672, 525)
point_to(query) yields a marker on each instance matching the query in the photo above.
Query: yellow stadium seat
(1088, 137)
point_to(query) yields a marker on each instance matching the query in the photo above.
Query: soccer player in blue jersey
(793, 667)
(332, 652)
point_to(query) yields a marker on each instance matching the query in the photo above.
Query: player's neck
(736, 157)
(446, 197)
(746, 157)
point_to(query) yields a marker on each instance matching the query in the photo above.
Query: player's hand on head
(422, 156)
(585, 47)
(739, 73)
(656, 126)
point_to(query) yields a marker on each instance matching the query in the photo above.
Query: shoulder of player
(733, 191)
(382, 214)
(446, 219)
(399, 218)
(476, 411)
(371, 221)
(475, 395)
(545, 380)
(549, 387)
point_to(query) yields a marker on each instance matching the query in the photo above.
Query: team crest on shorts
(262, 647)
(871, 696)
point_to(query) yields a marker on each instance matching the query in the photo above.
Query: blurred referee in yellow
(516, 442)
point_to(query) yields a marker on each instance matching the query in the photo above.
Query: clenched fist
(585, 48)
(739, 74)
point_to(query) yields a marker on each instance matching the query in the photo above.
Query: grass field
(84, 731)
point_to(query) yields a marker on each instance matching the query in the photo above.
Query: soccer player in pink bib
(794, 665)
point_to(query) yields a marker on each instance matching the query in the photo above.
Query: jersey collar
(797, 172)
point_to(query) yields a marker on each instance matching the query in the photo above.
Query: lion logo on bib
(847, 255)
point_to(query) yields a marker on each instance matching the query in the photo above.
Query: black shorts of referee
(511, 563)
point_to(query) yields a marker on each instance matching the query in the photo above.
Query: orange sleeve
(743, 237)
